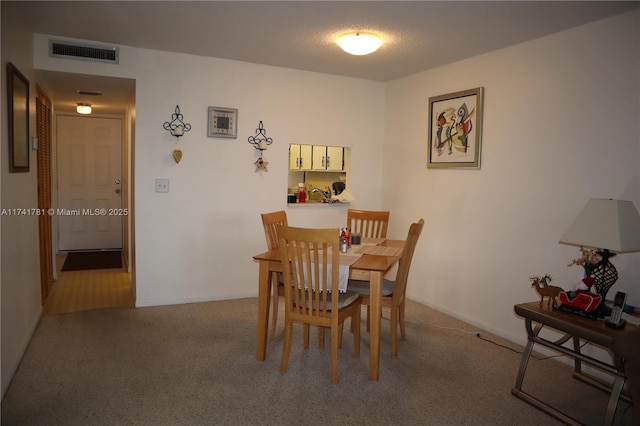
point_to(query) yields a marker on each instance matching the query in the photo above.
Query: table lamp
(609, 226)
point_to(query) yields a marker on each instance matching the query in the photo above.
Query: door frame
(128, 172)
(45, 175)
(128, 156)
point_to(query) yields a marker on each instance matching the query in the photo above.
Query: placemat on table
(379, 250)
(366, 240)
(348, 258)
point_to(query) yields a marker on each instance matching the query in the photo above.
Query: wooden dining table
(368, 267)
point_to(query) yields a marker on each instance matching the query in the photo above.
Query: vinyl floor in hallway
(88, 289)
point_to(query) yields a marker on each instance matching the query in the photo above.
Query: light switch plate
(162, 185)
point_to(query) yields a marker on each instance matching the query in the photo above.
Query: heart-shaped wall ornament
(177, 155)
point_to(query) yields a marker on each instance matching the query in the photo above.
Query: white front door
(89, 191)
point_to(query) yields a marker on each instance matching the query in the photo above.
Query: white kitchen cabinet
(300, 157)
(335, 158)
(327, 158)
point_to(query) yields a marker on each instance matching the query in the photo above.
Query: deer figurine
(545, 290)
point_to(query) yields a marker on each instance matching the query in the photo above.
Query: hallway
(88, 289)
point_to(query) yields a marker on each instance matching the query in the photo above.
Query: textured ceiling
(418, 35)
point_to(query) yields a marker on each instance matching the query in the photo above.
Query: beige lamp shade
(606, 224)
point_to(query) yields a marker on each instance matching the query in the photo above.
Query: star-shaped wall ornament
(261, 165)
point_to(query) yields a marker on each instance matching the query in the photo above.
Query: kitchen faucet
(326, 194)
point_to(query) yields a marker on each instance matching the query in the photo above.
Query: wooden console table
(574, 328)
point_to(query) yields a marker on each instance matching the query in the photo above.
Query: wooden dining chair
(311, 260)
(269, 222)
(370, 224)
(393, 292)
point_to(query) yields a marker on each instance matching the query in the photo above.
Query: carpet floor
(195, 364)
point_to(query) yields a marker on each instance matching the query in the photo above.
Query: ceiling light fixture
(359, 43)
(83, 108)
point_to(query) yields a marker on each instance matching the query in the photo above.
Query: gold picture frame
(455, 129)
(18, 107)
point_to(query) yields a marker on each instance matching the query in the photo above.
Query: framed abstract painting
(455, 129)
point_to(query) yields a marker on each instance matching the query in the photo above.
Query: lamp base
(605, 276)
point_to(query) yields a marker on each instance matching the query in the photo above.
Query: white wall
(195, 243)
(560, 127)
(20, 276)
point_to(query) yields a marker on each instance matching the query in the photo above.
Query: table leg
(517, 389)
(577, 365)
(616, 390)
(523, 365)
(375, 315)
(264, 293)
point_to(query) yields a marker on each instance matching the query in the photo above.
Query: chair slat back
(310, 257)
(405, 260)
(370, 224)
(269, 222)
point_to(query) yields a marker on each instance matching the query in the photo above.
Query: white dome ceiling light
(83, 108)
(359, 43)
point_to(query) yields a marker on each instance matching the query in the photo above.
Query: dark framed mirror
(18, 106)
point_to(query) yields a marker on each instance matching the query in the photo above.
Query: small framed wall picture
(223, 123)
(18, 112)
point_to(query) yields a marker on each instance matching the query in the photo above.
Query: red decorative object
(585, 301)
(302, 194)
(581, 298)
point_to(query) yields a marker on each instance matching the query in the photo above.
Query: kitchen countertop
(316, 203)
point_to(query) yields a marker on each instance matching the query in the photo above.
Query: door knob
(118, 191)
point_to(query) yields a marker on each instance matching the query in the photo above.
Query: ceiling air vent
(83, 52)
